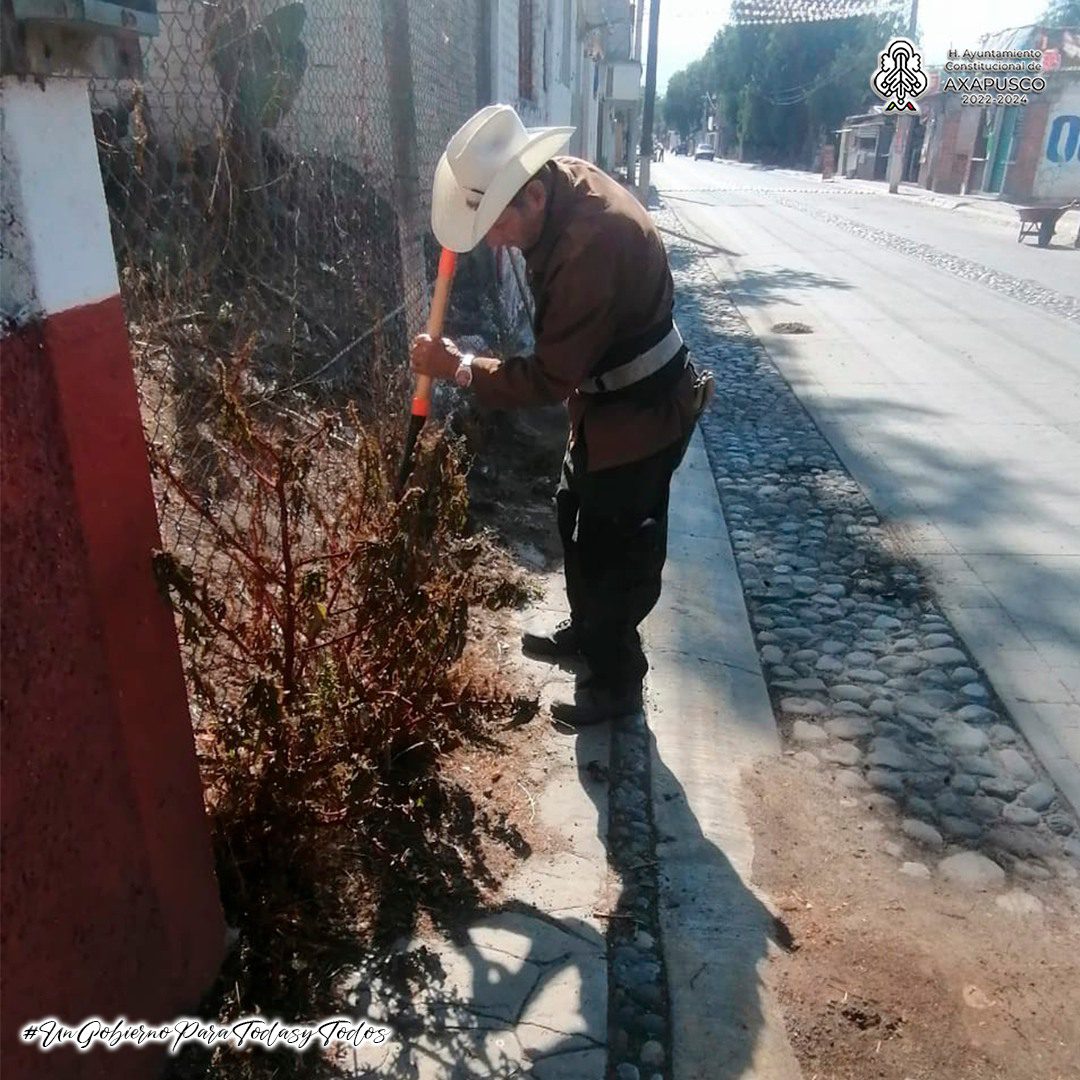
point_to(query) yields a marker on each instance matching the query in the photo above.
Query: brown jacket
(600, 277)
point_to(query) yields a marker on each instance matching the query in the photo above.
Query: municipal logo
(899, 79)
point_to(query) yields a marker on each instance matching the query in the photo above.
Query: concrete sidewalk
(711, 719)
(644, 825)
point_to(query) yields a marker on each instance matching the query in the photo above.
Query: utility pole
(635, 121)
(650, 102)
(905, 123)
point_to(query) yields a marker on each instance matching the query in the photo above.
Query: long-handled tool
(421, 402)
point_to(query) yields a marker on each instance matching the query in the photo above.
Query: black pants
(613, 524)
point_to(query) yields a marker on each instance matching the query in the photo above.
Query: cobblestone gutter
(865, 672)
(638, 1020)
(1022, 289)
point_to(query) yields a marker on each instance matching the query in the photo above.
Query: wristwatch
(463, 375)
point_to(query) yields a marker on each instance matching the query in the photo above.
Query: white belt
(641, 367)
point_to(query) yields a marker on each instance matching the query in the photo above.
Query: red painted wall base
(109, 901)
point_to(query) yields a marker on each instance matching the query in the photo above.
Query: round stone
(916, 870)
(833, 647)
(987, 808)
(883, 780)
(887, 622)
(859, 658)
(808, 684)
(1021, 842)
(808, 734)
(850, 780)
(652, 1024)
(976, 714)
(1002, 735)
(963, 675)
(798, 706)
(805, 656)
(900, 665)
(920, 808)
(887, 754)
(652, 1054)
(918, 706)
(806, 759)
(937, 641)
(844, 754)
(830, 665)
(922, 833)
(772, 654)
(848, 727)
(963, 784)
(961, 828)
(974, 691)
(883, 707)
(1021, 815)
(1016, 765)
(960, 736)
(943, 657)
(848, 692)
(1018, 902)
(1061, 823)
(978, 765)
(1001, 786)
(867, 675)
(627, 1072)
(1038, 796)
(850, 708)
(972, 871)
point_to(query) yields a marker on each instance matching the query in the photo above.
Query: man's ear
(537, 194)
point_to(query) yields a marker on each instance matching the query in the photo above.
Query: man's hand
(437, 358)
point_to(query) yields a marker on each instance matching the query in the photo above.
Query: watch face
(463, 376)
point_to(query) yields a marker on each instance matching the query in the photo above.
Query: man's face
(519, 226)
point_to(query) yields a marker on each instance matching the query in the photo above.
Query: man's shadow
(714, 932)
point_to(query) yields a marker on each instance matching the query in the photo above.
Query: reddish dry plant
(323, 626)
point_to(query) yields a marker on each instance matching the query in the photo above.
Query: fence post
(109, 896)
(397, 54)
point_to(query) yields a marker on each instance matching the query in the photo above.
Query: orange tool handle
(421, 402)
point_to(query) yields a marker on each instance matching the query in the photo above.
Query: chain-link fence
(268, 184)
(254, 183)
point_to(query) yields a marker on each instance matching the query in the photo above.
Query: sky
(688, 26)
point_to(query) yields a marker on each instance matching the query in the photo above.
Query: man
(605, 344)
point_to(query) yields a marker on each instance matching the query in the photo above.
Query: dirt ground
(900, 978)
(892, 977)
(512, 479)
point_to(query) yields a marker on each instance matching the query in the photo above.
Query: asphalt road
(944, 367)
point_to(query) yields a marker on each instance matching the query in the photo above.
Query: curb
(710, 715)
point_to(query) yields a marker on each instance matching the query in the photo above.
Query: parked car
(704, 152)
(682, 149)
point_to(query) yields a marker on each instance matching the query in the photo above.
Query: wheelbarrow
(1041, 221)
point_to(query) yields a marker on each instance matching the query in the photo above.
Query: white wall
(1060, 179)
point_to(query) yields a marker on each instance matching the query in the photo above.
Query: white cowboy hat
(486, 164)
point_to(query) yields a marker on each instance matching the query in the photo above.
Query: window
(525, 50)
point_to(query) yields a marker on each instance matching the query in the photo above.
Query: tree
(1061, 13)
(781, 90)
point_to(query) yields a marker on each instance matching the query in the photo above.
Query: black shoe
(561, 642)
(595, 703)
